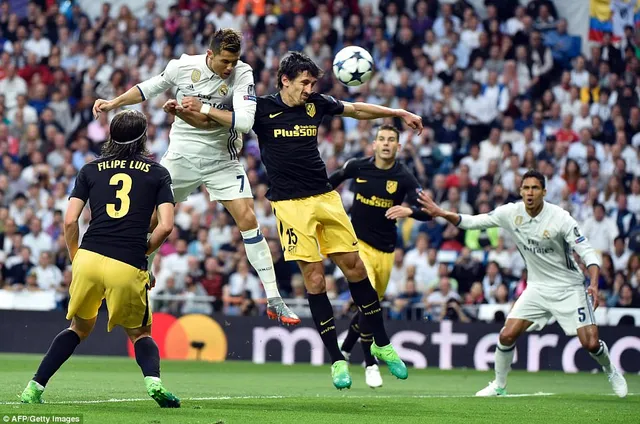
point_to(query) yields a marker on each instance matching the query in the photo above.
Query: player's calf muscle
(589, 338)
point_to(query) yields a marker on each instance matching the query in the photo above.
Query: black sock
(366, 339)
(60, 350)
(353, 335)
(322, 313)
(148, 356)
(366, 298)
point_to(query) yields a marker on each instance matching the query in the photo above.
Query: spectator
(37, 240)
(600, 230)
(49, 276)
(18, 267)
(438, 302)
(620, 255)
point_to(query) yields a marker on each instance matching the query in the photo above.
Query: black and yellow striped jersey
(376, 190)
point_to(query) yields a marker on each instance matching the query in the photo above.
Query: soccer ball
(353, 66)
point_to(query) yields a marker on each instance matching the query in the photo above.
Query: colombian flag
(600, 19)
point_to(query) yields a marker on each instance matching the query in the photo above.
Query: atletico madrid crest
(311, 109)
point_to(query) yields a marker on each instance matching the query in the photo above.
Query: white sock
(260, 259)
(602, 358)
(503, 360)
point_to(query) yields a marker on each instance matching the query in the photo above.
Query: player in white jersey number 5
(545, 235)
(204, 149)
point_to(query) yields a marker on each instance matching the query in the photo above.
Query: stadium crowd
(498, 94)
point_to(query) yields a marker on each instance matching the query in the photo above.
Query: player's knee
(508, 336)
(315, 283)
(135, 337)
(82, 333)
(136, 334)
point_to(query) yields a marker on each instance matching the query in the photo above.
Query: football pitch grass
(109, 390)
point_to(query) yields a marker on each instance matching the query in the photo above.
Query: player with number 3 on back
(546, 236)
(123, 188)
(204, 146)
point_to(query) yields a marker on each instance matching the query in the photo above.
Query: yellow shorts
(378, 266)
(313, 226)
(97, 277)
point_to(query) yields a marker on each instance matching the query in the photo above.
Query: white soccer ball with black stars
(353, 66)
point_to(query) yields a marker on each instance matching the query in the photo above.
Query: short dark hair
(532, 173)
(225, 39)
(295, 63)
(388, 128)
(127, 135)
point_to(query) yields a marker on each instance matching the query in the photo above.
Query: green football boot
(157, 391)
(340, 375)
(32, 393)
(389, 355)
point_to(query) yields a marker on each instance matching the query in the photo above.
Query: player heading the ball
(204, 147)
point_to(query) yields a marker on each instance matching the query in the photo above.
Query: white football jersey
(192, 77)
(545, 242)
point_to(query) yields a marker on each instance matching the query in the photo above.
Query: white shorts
(572, 309)
(224, 180)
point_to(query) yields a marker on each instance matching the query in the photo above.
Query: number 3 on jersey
(122, 194)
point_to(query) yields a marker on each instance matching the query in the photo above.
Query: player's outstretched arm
(140, 92)
(71, 227)
(133, 96)
(365, 111)
(496, 218)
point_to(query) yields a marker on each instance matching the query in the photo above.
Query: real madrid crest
(224, 90)
(546, 235)
(519, 220)
(195, 75)
(392, 186)
(311, 109)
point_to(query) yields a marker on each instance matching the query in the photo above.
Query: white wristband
(205, 109)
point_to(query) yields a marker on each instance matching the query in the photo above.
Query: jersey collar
(538, 217)
(208, 73)
(372, 161)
